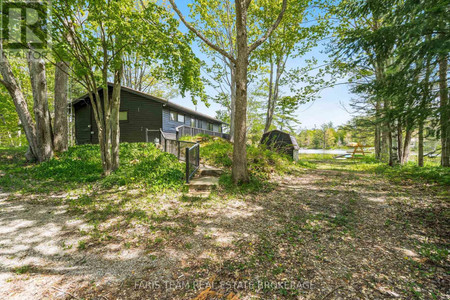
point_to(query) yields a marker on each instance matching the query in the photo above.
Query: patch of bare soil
(321, 235)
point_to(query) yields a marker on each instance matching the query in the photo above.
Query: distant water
(322, 151)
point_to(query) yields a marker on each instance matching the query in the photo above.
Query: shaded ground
(324, 234)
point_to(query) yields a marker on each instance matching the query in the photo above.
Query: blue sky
(331, 106)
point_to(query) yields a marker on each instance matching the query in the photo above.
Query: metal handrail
(174, 147)
(196, 163)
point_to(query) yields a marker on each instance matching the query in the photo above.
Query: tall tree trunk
(115, 126)
(377, 139)
(269, 113)
(98, 110)
(239, 169)
(41, 112)
(386, 151)
(390, 147)
(399, 141)
(274, 92)
(445, 111)
(420, 150)
(10, 83)
(423, 110)
(233, 99)
(60, 128)
(407, 145)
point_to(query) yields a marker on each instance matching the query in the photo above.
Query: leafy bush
(147, 166)
(217, 152)
(140, 164)
(261, 161)
(79, 164)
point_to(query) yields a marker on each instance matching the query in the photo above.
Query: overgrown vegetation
(262, 163)
(142, 165)
(315, 219)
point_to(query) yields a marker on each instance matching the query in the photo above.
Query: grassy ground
(323, 229)
(142, 166)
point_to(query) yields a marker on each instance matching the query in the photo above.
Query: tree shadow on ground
(344, 237)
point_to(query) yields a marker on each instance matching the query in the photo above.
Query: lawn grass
(142, 165)
(432, 172)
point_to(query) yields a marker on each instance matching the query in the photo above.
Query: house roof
(157, 99)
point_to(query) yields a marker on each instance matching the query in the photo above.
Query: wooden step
(205, 183)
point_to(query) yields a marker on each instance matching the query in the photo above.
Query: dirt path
(321, 235)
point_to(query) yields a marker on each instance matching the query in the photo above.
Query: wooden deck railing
(185, 130)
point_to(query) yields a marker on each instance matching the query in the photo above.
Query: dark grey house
(142, 117)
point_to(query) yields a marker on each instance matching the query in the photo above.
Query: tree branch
(271, 29)
(199, 34)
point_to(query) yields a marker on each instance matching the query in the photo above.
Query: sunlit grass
(142, 165)
(431, 172)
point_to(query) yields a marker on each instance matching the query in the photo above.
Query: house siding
(142, 114)
(170, 126)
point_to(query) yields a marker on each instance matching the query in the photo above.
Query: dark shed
(282, 142)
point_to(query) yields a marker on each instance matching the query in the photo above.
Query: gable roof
(165, 103)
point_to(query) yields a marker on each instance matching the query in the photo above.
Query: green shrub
(261, 161)
(79, 164)
(217, 152)
(141, 164)
(145, 165)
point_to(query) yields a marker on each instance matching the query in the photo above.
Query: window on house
(192, 122)
(220, 128)
(216, 128)
(210, 126)
(204, 125)
(123, 115)
(180, 118)
(173, 116)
